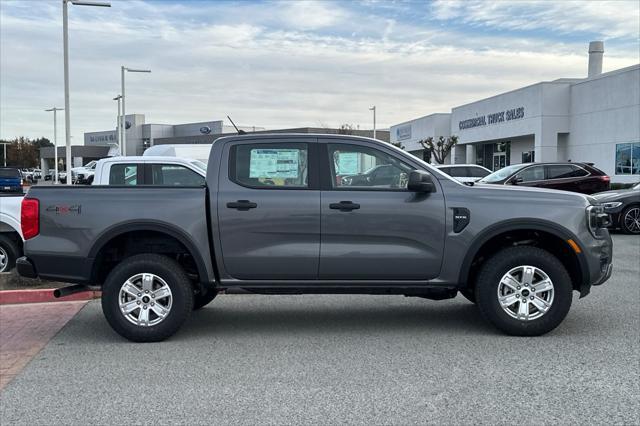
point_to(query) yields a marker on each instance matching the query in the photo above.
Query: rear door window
(270, 165)
(563, 171)
(174, 175)
(123, 174)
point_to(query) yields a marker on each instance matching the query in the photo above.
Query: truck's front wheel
(524, 291)
(147, 298)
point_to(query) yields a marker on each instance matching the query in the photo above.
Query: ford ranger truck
(281, 214)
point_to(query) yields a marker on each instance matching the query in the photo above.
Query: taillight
(605, 178)
(30, 217)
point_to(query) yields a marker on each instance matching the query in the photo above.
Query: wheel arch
(519, 231)
(121, 230)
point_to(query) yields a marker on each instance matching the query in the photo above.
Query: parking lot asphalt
(250, 359)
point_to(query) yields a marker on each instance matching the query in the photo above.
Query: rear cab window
(124, 174)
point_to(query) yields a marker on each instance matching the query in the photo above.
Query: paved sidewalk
(26, 329)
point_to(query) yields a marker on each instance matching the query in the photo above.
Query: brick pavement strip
(26, 329)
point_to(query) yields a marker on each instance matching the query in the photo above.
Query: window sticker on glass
(348, 163)
(274, 163)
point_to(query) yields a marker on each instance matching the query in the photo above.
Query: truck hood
(531, 194)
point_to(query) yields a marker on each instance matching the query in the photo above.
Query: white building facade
(594, 120)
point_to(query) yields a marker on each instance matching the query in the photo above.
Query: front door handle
(344, 206)
(242, 205)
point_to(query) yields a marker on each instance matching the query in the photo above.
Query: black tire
(624, 226)
(469, 294)
(498, 265)
(167, 269)
(10, 250)
(200, 300)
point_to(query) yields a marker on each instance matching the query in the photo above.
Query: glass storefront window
(628, 158)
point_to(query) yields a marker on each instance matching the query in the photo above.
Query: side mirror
(420, 181)
(516, 180)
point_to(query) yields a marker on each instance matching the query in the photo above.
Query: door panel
(393, 234)
(269, 213)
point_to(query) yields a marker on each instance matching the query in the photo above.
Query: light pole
(55, 140)
(118, 129)
(373, 108)
(123, 148)
(4, 147)
(65, 38)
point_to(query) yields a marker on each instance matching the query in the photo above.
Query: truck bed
(92, 216)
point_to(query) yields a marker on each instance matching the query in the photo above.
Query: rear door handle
(242, 205)
(344, 206)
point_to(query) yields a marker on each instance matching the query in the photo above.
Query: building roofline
(419, 118)
(630, 68)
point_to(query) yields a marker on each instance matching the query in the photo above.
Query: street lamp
(118, 129)
(373, 108)
(65, 38)
(123, 148)
(55, 140)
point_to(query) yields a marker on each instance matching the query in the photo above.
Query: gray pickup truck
(292, 214)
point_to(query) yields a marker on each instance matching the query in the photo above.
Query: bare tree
(441, 148)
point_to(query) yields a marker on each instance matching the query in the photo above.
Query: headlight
(597, 219)
(612, 205)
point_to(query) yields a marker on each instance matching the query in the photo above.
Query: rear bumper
(55, 268)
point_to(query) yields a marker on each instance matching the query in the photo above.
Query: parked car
(84, 175)
(380, 175)
(10, 230)
(272, 218)
(575, 177)
(11, 179)
(623, 205)
(465, 173)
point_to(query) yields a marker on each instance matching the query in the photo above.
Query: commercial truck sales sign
(494, 118)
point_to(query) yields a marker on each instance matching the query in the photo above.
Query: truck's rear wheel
(9, 252)
(147, 298)
(524, 291)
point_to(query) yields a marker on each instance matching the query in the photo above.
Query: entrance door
(269, 210)
(373, 228)
(499, 160)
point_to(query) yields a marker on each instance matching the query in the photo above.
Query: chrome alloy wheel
(4, 259)
(145, 299)
(525, 293)
(632, 220)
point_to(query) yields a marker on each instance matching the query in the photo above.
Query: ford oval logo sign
(205, 130)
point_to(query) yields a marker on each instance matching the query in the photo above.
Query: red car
(575, 177)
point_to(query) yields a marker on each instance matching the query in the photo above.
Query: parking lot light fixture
(118, 129)
(373, 108)
(65, 41)
(123, 125)
(55, 141)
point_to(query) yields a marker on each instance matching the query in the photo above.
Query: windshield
(9, 173)
(502, 174)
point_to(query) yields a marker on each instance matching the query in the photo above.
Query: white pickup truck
(139, 170)
(10, 232)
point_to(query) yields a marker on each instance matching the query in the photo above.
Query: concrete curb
(11, 297)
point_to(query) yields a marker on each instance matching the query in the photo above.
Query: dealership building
(594, 119)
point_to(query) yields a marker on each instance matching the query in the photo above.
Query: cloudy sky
(286, 63)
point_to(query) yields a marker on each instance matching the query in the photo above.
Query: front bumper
(598, 254)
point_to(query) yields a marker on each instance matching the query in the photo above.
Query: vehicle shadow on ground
(310, 319)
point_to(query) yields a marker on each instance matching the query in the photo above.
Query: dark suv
(575, 177)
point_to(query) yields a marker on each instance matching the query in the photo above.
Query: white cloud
(211, 60)
(607, 18)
